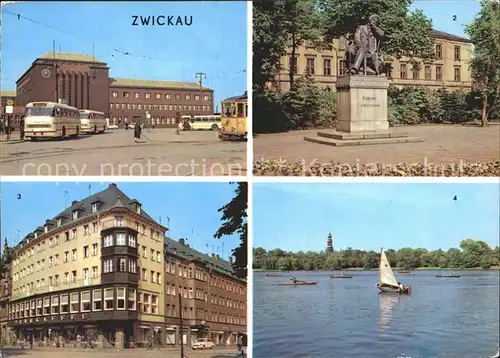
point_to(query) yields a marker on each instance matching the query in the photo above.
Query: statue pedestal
(362, 114)
(362, 104)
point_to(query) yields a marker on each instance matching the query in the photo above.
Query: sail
(385, 273)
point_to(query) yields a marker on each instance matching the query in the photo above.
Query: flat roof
(67, 56)
(138, 83)
(8, 93)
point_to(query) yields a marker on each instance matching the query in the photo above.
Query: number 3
(18, 196)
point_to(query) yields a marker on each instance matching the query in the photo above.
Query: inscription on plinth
(362, 104)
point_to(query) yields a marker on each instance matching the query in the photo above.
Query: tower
(329, 244)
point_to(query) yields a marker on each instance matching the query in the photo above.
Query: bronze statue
(363, 51)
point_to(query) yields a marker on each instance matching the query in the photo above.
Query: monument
(362, 114)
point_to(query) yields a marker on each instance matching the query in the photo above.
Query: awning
(144, 327)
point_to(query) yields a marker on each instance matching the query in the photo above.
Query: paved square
(160, 152)
(443, 145)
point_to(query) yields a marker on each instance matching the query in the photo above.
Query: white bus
(93, 121)
(50, 120)
(209, 122)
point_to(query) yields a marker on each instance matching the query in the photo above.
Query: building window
(126, 94)
(74, 303)
(94, 208)
(310, 66)
(108, 298)
(73, 255)
(427, 72)
(131, 241)
(120, 239)
(342, 68)
(439, 73)
(158, 278)
(456, 53)
(66, 258)
(97, 300)
(403, 71)
(148, 95)
(32, 305)
(457, 74)
(64, 304)
(416, 73)
(131, 299)
(85, 273)
(154, 304)
(94, 227)
(439, 52)
(85, 230)
(55, 304)
(85, 298)
(94, 249)
(73, 276)
(114, 94)
(167, 96)
(137, 95)
(120, 298)
(95, 271)
(132, 266)
(158, 96)
(108, 266)
(108, 241)
(158, 256)
(144, 274)
(123, 265)
(46, 306)
(153, 276)
(292, 65)
(85, 252)
(73, 234)
(327, 67)
(146, 308)
(119, 221)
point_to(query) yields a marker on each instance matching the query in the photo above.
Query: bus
(205, 122)
(93, 121)
(234, 118)
(50, 120)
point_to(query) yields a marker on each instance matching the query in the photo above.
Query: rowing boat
(448, 276)
(298, 283)
(272, 275)
(341, 276)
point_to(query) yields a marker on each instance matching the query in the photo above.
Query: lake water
(443, 317)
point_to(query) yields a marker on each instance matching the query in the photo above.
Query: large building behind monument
(450, 69)
(84, 82)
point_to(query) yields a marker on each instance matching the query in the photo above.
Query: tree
(302, 22)
(484, 33)
(269, 41)
(406, 33)
(234, 216)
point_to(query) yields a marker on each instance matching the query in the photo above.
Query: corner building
(98, 269)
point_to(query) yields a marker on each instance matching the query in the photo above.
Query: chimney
(74, 202)
(231, 260)
(182, 242)
(112, 185)
(187, 245)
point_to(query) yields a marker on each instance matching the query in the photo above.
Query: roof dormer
(96, 206)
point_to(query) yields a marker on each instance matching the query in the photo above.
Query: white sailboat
(387, 281)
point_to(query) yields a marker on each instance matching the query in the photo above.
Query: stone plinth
(362, 104)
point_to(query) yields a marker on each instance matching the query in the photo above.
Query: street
(159, 153)
(128, 353)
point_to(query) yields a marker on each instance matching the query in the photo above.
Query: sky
(296, 217)
(215, 43)
(443, 12)
(191, 207)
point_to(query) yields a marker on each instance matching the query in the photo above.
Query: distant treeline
(472, 254)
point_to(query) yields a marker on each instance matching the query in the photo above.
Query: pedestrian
(31, 341)
(180, 127)
(21, 127)
(137, 131)
(126, 124)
